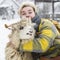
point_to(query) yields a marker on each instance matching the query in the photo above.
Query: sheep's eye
(21, 28)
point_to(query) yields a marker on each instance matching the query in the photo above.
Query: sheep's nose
(29, 34)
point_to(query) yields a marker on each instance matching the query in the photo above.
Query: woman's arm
(45, 40)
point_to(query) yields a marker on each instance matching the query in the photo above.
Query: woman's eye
(23, 13)
(30, 12)
(21, 28)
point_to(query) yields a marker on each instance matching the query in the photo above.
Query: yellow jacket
(47, 35)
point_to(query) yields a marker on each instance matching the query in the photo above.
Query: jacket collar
(36, 20)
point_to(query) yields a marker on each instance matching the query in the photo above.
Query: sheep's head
(27, 30)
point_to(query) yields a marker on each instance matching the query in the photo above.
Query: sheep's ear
(29, 22)
(23, 19)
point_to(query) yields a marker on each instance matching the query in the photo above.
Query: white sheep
(22, 32)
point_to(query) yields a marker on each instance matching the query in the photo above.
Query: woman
(45, 33)
(44, 40)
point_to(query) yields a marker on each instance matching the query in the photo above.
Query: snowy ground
(4, 36)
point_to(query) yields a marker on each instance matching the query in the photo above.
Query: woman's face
(28, 12)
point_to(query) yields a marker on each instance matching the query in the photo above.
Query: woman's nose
(27, 15)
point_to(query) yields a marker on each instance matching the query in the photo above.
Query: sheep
(21, 32)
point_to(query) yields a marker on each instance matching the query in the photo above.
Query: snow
(4, 36)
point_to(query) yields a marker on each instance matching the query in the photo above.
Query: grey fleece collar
(36, 20)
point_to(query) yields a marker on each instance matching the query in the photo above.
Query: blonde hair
(25, 4)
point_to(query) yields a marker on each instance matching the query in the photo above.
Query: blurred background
(47, 8)
(8, 14)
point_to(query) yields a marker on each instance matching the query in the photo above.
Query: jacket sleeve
(47, 34)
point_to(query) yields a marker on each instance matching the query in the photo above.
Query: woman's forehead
(27, 9)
